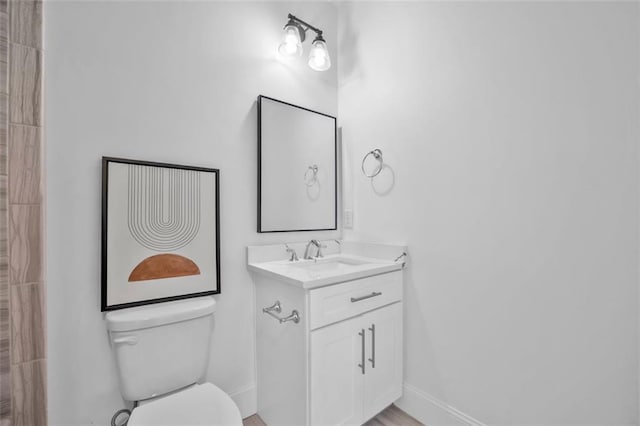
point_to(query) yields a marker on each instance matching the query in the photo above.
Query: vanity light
(294, 34)
(319, 56)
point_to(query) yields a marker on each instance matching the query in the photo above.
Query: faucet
(318, 246)
(292, 252)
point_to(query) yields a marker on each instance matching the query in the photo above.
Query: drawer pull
(372, 360)
(361, 365)
(368, 296)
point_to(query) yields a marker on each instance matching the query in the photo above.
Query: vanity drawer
(340, 301)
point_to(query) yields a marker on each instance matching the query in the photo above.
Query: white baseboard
(432, 411)
(418, 404)
(246, 400)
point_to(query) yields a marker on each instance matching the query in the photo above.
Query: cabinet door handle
(368, 296)
(372, 360)
(361, 365)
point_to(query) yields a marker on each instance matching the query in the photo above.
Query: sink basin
(324, 271)
(335, 264)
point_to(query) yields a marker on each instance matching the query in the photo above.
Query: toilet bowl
(162, 353)
(204, 404)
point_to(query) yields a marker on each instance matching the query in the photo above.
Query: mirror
(297, 182)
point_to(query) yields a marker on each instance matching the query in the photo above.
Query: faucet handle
(294, 255)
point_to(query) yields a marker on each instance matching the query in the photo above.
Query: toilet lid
(204, 404)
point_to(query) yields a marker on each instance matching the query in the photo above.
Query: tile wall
(22, 294)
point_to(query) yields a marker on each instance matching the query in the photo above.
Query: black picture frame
(260, 168)
(211, 226)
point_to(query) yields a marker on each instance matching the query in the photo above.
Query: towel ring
(377, 154)
(310, 179)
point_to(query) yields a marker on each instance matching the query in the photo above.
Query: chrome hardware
(295, 317)
(306, 250)
(372, 360)
(377, 154)
(311, 175)
(368, 296)
(277, 307)
(121, 417)
(404, 254)
(292, 252)
(318, 246)
(404, 262)
(361, 365)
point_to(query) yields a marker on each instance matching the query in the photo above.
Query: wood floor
(391, 416)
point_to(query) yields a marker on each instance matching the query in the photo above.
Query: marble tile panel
(4, 280)
(25, 244)
(4, 133)
(4, 52)
(4, 240)
(26, 23)
(25, 186)
(4, 35)
(4, 84)
(4, 111)
(5, 336)
(29, 404)
(27, 322)
(25, 85)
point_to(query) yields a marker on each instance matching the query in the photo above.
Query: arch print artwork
(160, 232)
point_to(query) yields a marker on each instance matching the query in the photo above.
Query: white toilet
(162, 352)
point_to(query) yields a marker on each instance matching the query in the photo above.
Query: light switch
(348, 219)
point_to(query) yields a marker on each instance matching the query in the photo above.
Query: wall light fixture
(294, 34)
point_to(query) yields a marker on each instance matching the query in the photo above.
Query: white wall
(512, 131)
(169, 82)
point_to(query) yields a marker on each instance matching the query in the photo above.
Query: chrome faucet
(319, 246)
(292, 252)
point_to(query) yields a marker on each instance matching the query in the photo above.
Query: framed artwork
(160, 232)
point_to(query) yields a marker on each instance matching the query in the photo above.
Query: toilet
(162, 353)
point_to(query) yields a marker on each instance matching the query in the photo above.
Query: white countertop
(331, 269)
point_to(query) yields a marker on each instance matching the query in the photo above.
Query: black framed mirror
(297, 168)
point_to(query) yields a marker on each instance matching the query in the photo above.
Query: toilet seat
(204, 405)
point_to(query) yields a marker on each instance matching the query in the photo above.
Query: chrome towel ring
(377, 154)
(311, 175)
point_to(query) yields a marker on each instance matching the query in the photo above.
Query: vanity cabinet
(356, 367)
(342, 363)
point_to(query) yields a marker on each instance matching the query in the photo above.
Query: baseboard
(246, 400)
(432, 411)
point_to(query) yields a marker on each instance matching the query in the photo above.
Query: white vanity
(336, 360)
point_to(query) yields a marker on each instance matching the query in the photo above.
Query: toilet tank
(160, 348)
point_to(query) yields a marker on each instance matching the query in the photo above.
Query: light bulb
(319, 56)
(292, 45)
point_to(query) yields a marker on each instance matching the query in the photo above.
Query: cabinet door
(336, 379)
(383, 378)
